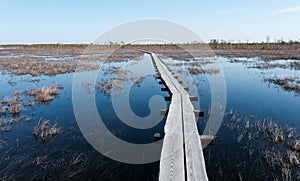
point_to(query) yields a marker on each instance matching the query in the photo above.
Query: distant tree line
(214, 44)
(278, 44)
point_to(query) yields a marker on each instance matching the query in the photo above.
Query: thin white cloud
(287, 10)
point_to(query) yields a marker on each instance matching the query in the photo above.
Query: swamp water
(244, 148)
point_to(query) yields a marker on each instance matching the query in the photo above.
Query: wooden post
(193, 98)
(168, 98)
(199, 113)
(164, 89)
(158, 138)
(164, 112)
(207, 140)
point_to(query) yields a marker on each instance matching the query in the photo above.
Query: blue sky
(71, 21)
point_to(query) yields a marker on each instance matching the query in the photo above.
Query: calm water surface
(69, 156)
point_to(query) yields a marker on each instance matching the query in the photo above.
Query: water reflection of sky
(250, 94)
(247, 93)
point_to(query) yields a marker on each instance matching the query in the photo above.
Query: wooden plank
(195, 162)
(172, 166)
(172, 155)
(182, 155)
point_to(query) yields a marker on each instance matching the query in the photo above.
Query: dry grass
(295, 145)
(36, 64)
(5, 125)
(13, 105)
(15, 109)
(195, 71)
(43, 95)
(45, 129)
(278, 146)
(281, 50)
(35, 67)
(286, 83)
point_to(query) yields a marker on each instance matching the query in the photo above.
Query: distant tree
(223, 41)
(214, 43)
(268, 39)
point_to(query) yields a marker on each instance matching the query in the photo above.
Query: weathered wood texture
(182, 155)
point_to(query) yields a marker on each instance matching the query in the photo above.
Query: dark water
(69, 156)
(253, 99)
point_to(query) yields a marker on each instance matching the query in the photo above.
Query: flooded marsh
(259, 137)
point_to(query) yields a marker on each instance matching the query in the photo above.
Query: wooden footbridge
(182, 153)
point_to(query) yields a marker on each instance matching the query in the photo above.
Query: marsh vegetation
(259, 137)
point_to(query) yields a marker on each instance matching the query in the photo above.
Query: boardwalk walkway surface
(182, 154)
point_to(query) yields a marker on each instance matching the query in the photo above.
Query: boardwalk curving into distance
(182, 154)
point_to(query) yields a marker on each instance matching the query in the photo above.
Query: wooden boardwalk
(182, 154)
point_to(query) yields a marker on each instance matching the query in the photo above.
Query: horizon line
(119, 43)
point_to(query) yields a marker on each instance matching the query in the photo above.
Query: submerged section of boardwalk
(182, 154)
